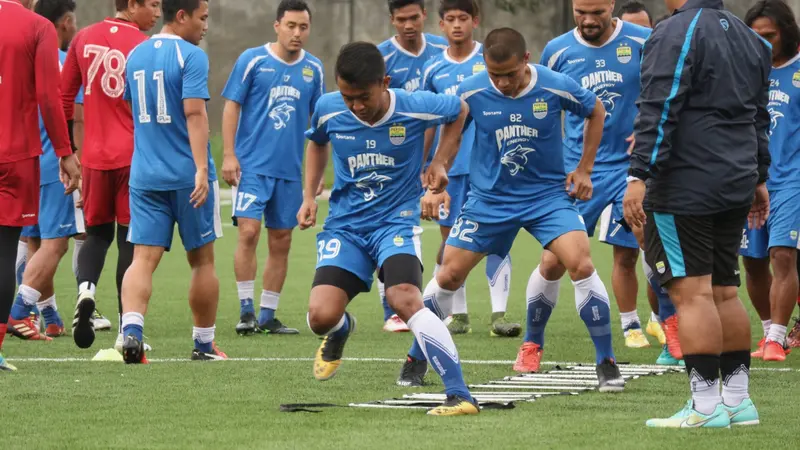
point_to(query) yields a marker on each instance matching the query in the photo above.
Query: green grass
(234, 404)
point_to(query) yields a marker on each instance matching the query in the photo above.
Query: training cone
(108, 354)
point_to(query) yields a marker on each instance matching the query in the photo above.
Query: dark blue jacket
(701, 131)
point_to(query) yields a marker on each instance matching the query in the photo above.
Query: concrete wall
(236, 25)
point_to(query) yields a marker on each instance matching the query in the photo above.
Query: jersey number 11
(161, 98)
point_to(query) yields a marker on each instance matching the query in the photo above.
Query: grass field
(234, 404)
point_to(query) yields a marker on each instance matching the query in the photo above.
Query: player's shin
(124, 260)
(498, 273)
(92, 257)
(9, 236)
(203, 296)
(75, 252)
(591, 301)
(440, 350)
(542, 296)
(21, 260)
(438, 300)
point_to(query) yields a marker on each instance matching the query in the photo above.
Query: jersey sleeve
(574, 98)
(195, 76)
(319, 90)
(438, 109)
(71, 79)
(319, 124)
(48, 92)
(240, 79)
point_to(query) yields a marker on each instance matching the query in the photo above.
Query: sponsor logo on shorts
(398, 241)
(406, 213)
(207, 234)
(661, 267)
(67, 225)
(793, 235)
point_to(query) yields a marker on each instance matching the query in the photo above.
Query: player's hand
(632, 204)
(307, 216)
(579, 185)
(435, 178)
(70, 173)
(321, 187)
(760, 209)
(435, 206)
(79, 202)
(200, 193)
(632, 140)
(231, 171)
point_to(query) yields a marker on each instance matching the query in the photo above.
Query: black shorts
(694, 246)
(397, 269)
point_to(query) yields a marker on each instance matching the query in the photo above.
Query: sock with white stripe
(49, 311)
(269, 304)
(438, 300)
(735, 370)
(542, 296)
(26, 300)
(766, 324)
(630, 320)
(75, 252)
(133, 325)
(203, 338)
(591, 301)
(777, 333)
(246, 290)
(440, 350)
(21, 261)
(498, 273)
(387, 310)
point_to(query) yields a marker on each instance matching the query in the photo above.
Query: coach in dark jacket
(702, 149)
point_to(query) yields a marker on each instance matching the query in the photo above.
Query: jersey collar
(475, 51)
(120, 22)
(789, 62)
(166, 36)
(268, 47)
(617, 31)
(528, 88)
(385, 118)
(408, 53)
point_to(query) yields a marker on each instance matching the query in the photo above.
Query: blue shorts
(491, 227)
(781, 230)
(58, 216)
(361, 253)
(275, 199)
(457, 188)
(155, 213)
(606, 206)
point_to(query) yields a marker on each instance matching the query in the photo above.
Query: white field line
(485, 362)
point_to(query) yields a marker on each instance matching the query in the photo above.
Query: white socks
(22, 255)
(653, 317)
(705, 394)
(460, 300)
(203, 335)
(441, 299)
(628, 319)
(538, 287)
(270, 299)
(500, 284)
(735, 387)
(87, 286)
(777, 333)
(765, 324)
(31, 296)
(246, 289)
(132, 318)
(49, 303)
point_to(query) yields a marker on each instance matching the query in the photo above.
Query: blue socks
(203, 347)
(20, 310)
(666, 308)
(342, 328)
(136, 331)
(387, 310)
(246, 307)
(265, 315)
(51, 317)
(591, 300)
(542, 297)
(416, 351)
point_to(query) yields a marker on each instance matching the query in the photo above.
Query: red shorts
(19, 193)
(105, 196)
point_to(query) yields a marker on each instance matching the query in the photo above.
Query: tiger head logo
(516, 159)
(281, 115)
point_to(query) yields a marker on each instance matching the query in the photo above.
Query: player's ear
(441, 25)
(527, 58)
(275, 26)
(386, 80)
(476, 21)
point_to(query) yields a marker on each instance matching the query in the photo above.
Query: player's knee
(321, 320)
(248, 235)
(626, 258)
(279, 242)
(104, 232)
(550, 267)
(405, 299)
(783, 261)
(449, 278)
(582, 270)
(56, 248)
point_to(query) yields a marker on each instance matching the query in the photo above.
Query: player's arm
(430, 134)
(760, 209)
(316, 160)
(449, 142)
(666, 77)
(70, 87)
(319, 91)
(592, 135)
(231, 171)
(194, 95)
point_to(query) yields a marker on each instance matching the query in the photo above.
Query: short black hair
(397, 4)
(360, 64)
(170, 8)
(292, 5)
(503, 43)
(784, 19)
(122, 5)
(54, 10)
(633, 7)
(468, 6)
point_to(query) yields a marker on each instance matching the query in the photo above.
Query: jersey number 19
(161, 98)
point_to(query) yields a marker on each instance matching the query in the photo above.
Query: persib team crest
(478, 68)
(397, 134)
(624, 53)
(540, 109)
(308, 74)
(796, 79)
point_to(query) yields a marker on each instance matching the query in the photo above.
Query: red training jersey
(96, 60)
(29, 83)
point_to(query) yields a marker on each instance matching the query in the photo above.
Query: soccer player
(173, 179)
(774, 294)
(59, 218)
(442, 74)
(636, 12)
(702, 148)
(378, 142)
(29, 49)
(269, 98)
(518, 181)
(602, 54)
(96, 60)
(405, 54)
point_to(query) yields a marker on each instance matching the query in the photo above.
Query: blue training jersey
(376, 167)
(612, 72)
(277, 99)
(518, 156)
(48, 162)
(784, 111)
(404, 67)
(443, 75)
(162, 72)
